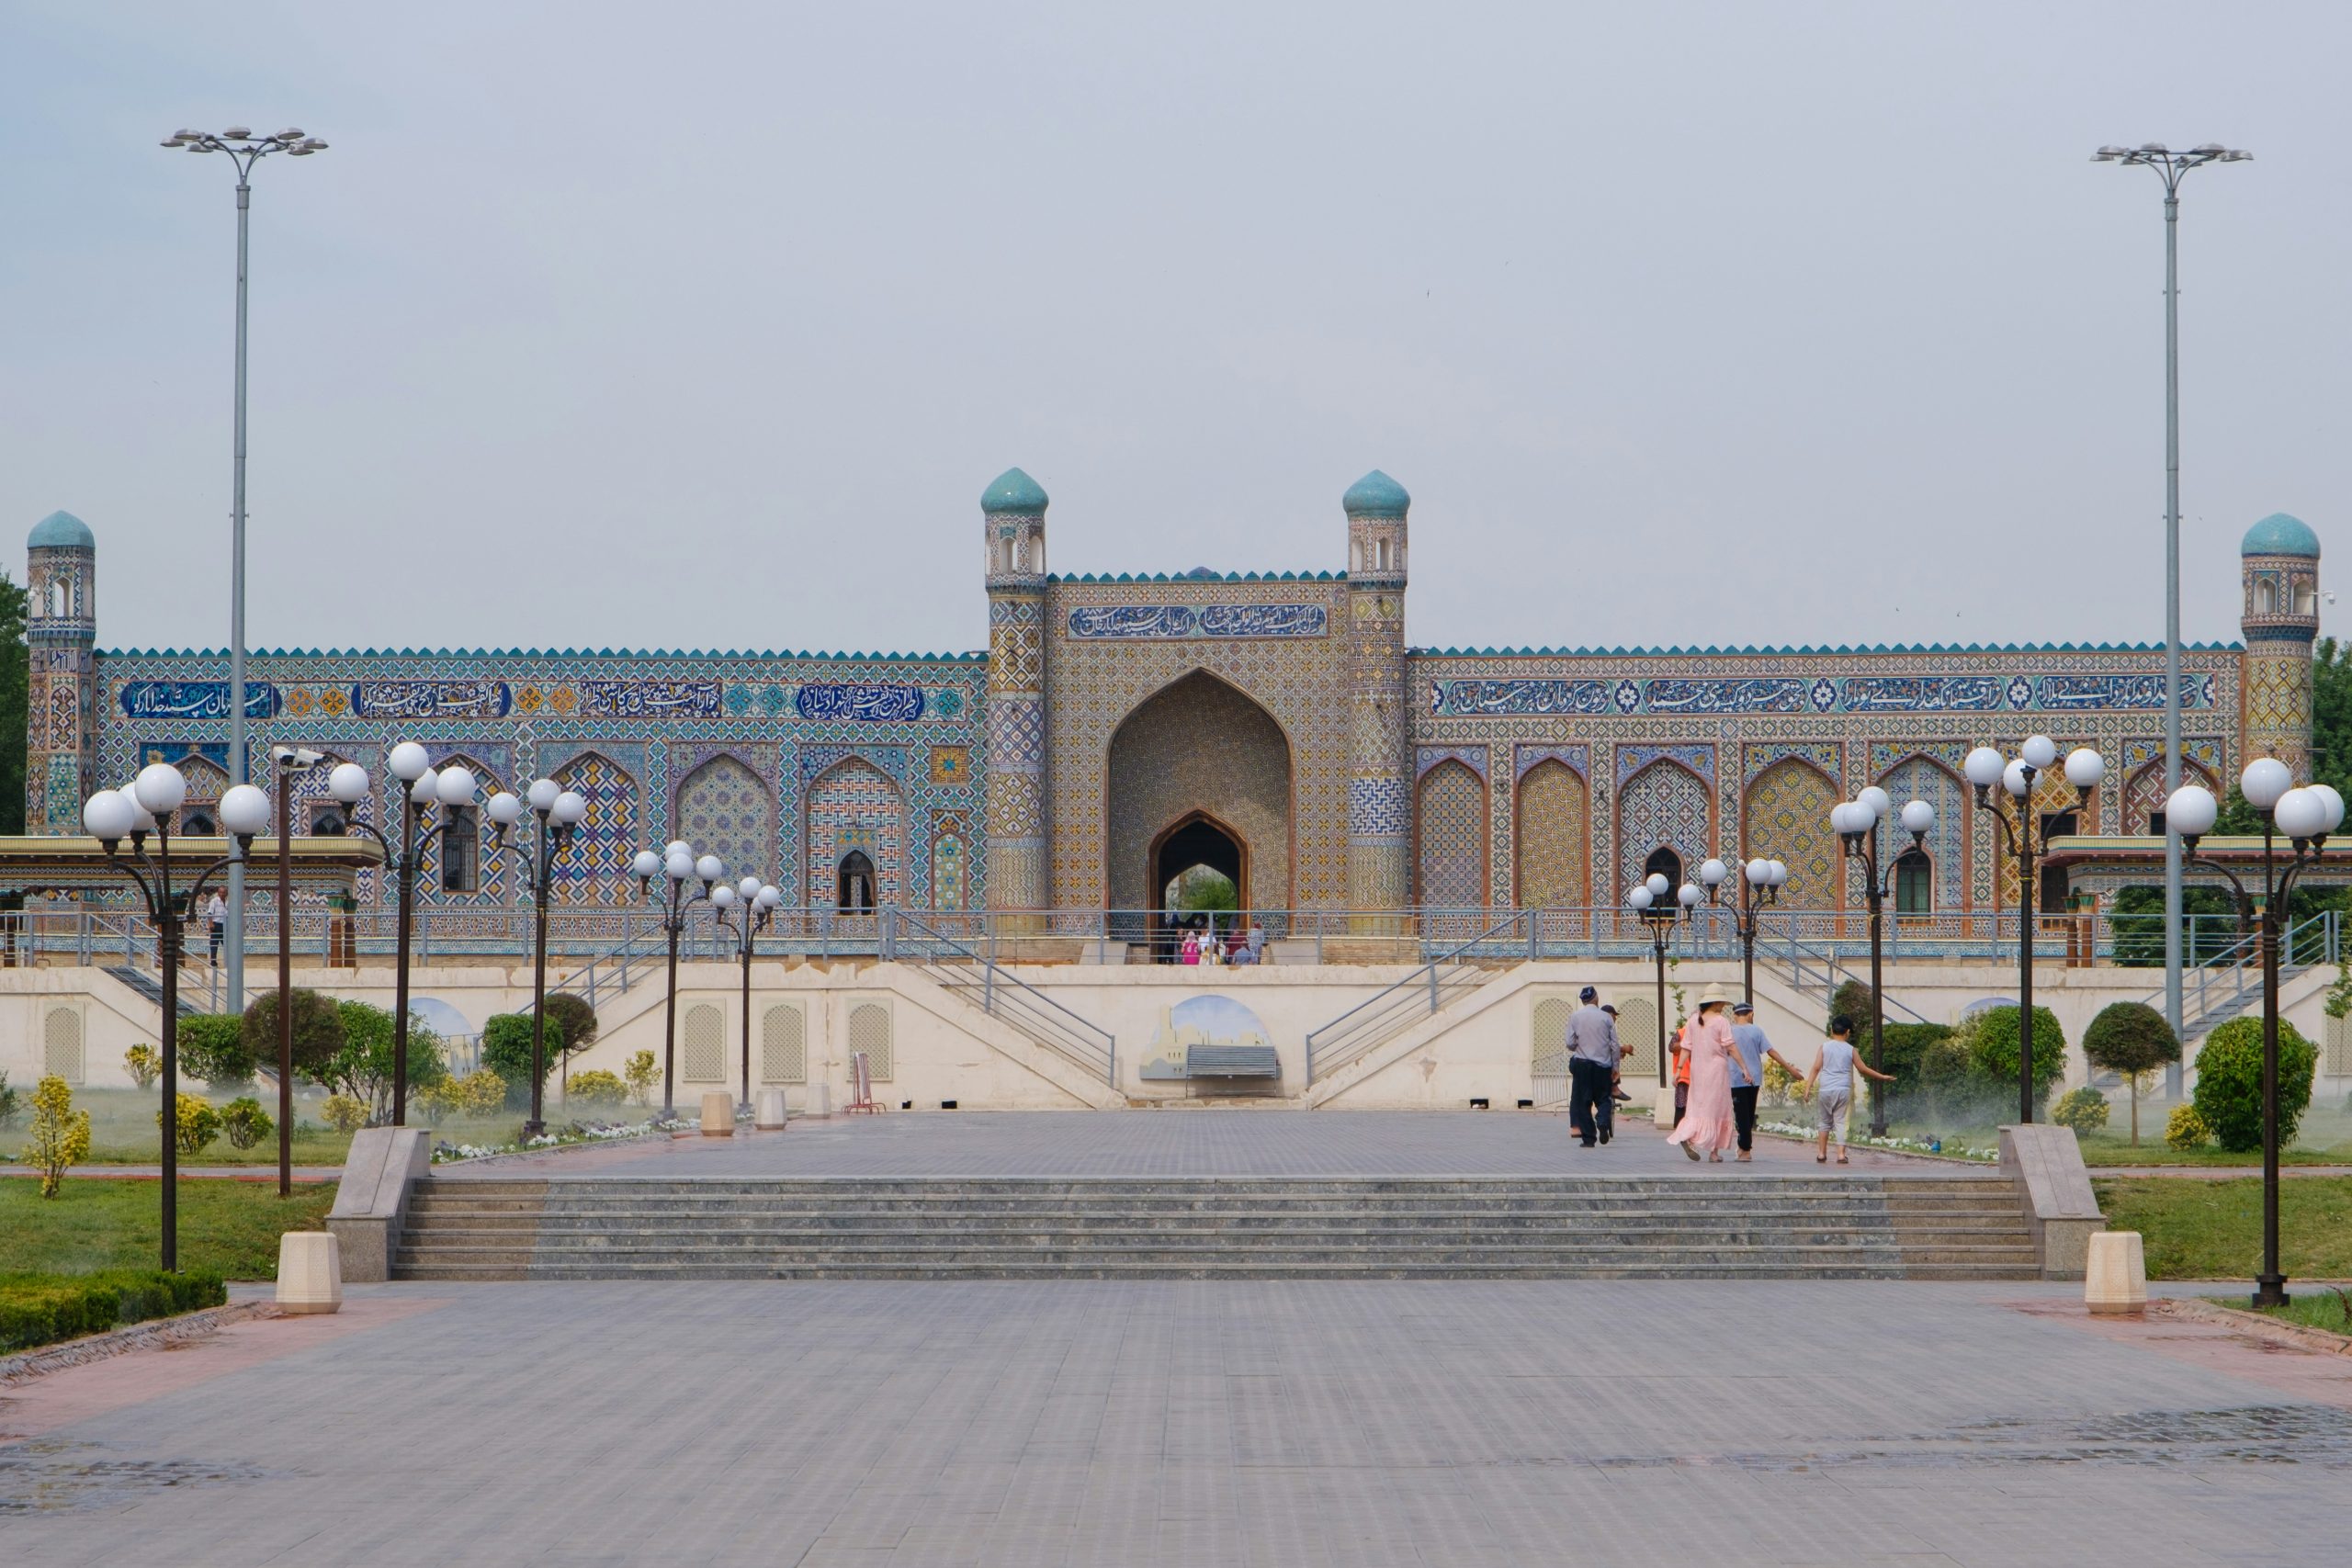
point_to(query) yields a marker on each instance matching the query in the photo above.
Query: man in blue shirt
(1748, 1072)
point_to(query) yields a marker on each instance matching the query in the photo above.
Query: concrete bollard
(1662, 1108)
(2115, 1278)
(820, 1100)
(771, 1109)
(718, 1115)
(309, 1271)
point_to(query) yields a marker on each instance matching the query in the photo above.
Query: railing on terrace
(2223, 984)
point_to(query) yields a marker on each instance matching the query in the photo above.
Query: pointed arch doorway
(1195, 841)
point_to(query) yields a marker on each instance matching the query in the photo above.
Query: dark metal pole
(285, 992)
(543, 856)
(168, 935)
(402, 919)
(670, 1008)
(2024, 950)
(746, 1005)
(1748, 913)
(2270, 1285)
(1658, 950)
(1878, 1007)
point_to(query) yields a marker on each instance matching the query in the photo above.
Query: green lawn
(2315, 1306)
(116, 1222)
(2196, 1228)
(2323, 1138)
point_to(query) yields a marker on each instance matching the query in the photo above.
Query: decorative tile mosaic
(1551, 825)
(1452, 821)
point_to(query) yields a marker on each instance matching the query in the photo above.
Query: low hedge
(39, 1309)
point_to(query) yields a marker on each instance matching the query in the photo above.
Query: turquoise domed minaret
(1380, 841)
(60, 709)
(1013, 523)
(2279, 568)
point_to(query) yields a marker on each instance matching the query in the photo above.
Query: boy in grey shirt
(1833, 1082)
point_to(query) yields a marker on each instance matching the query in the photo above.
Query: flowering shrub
(61, 1134)
(638, 1071)
(199, 1123)
(344, 1114)
(2084, 1109)
(246, 1123)
(598, 1087)
(2185, 1129)
(482, 1093)
(577, 1132)
(142, 1064)
(1900, 1146)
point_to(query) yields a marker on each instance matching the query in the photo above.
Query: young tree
(318, 1033)
(2132, 1038)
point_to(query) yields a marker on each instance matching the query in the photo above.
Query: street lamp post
(1649, 900)
(1760, 882)
(1984, 767)
(290, 760)
(138, 809)
(243, 150)
(752, 904)
(2307, 816)
(1857, 823)
(422, 788)
(677, 865)
(2171, 168)
(559, 812)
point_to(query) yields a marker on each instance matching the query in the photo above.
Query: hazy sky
(703, 325)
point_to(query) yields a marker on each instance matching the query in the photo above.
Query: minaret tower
(1379, 817)
(60, 706)
(2279, 562)
(1013, 513)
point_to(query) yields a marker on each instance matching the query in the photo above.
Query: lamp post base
(2271, 1290)
(533, 1129)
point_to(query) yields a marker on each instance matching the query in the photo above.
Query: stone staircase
(1961, 1227)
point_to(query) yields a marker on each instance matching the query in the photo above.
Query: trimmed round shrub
(506, 1051)
(576, 1018)
(197, 1125)
(2186, 1130)
(212, 1050)
(596, 1086)
(2229, 1082)
(1945, 1078)
(246, 1123)
(2130, 1038)
(344, 1114)
(2084, 1109)
(317, 1036)
(481, 1093)
(1993, 1050)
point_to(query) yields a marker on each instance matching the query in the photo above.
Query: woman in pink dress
(1706, 1118)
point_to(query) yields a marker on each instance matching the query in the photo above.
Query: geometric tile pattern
(595, 869)
(1787, 819)
(855, 807)
(723, 809)
(1452, 833)
(1918, 778)
(1200, 745)
(2146, 792)
(1553, 840)
(1664, 806)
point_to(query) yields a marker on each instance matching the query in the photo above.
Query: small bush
(2186, 1130)
(199, 1123)
(596, 1086)
(507, 1050)
(1994, 1048)
(1946, 1079)
(1777, 1082)
(212, 1051)
(576, 1017)
(2229, 1082)
(61, 1134)
(41, 1309)
(2084, 1109)
(638, 1071)
(143, 1065)
(12, 1104)
(344, 1114)
(435, 1101)
(318, 1032)
(482, 1093)
(2132, 1039)
(246, 1123)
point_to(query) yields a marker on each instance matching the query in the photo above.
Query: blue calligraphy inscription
(1767, 695)
(2118, 692)
(1517, 696)
(649, 699)
(867, 704)
(194, 699)
(1103, 622)
(431, 699)
(1922, 693)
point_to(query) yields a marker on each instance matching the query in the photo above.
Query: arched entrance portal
(1198, 843)
(1199, 774)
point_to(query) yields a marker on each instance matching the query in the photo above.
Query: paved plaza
(1271, 1142)
(1188, 1423)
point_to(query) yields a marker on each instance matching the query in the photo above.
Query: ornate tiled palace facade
(1119, 729)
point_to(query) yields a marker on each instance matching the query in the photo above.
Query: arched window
(2306, 601)
(1663, 861)
(2265, 597)
(1914, 884)
(61, 598)
(1383, 548)
(462, 851)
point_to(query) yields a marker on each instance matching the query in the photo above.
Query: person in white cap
(1707, 1120)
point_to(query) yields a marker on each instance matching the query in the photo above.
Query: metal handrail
(1794, 952)
(1002, 994)
(2225, 985)
(1391, 1011)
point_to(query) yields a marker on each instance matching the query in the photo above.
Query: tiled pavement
(1188, 1423)
(1186, 1143)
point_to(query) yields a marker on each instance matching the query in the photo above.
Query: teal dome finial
(1375, 495)
(62, 530)
(1013, 491)
(2280, 534)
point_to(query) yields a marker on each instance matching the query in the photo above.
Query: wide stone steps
(1011, 1228)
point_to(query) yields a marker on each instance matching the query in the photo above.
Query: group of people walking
(1196, 940)
(1719, 1058)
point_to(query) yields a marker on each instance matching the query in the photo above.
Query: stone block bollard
(2115, 1280)
(309, 1271)
(718, 1115)
(1662, 1108)
(771, 1111)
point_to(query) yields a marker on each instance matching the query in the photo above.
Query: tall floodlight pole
(244, 149)
(2171, 167)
